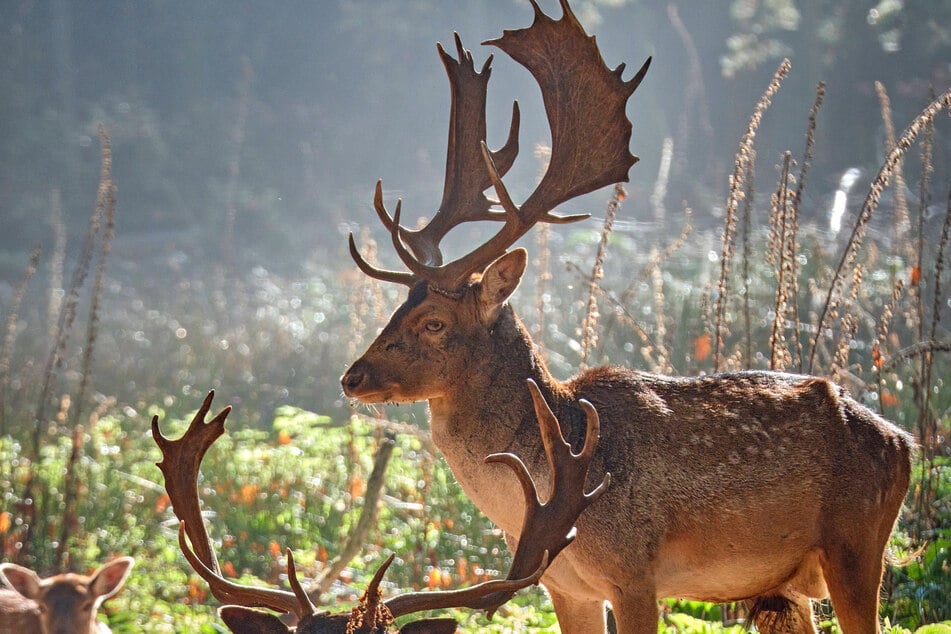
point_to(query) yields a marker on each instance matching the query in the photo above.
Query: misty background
(248, 136)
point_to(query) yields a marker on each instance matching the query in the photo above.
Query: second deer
(61, 604)
(759, 486)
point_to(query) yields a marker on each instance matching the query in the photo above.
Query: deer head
(61, 604)
(453, 305)
(549, 527)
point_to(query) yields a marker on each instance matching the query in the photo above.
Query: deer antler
(585, 103)
(181, 460)
(546, 530)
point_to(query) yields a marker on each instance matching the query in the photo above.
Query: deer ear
(22, 580)
(501, 278)
(110, 576)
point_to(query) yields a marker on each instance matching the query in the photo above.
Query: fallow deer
(759, 486)
(549, 528)
(61, 604)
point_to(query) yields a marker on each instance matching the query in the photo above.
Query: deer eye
(434, 325)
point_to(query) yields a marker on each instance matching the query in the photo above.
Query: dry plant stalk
(855, 240)
(64, 326)
(901, 220)
(747, 228)
(805, 164)
(782, 251)
(357, 538)
(848, 325)
(881, 336)
(589, 326)
(660, 326)
(106, 209)
(927, 421)
(10, 333)
(738, 189)
(57, 262)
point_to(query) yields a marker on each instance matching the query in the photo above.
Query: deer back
(61, 604)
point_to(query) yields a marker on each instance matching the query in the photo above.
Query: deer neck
(490, 412)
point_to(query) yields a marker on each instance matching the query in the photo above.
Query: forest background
(245, 142)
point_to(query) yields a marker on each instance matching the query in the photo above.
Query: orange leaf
(283, 437)
(702, 348)
(161, 503)
(357, 487)
(228, 569)
(4, 522)
(915, 275)
(249, 492)
(889, 399)
(195, 589)
(877, 358)
(434, 579)
(275, 549)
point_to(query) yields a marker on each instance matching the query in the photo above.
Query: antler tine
(235, 593)
(303, 599)
(380, 208)
(482, 596)
(400, 277)
(180, 463)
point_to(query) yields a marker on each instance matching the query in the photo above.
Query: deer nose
(351, 380)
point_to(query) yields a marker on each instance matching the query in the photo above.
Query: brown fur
(61, 604)
(724, 487)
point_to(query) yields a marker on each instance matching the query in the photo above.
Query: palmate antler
(546, 530)
(585, 102)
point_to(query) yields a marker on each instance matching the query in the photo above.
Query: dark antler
(181, 460)
(585, 102)
(547, 528)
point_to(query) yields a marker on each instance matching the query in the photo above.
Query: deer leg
(854, 579)
(853, 562)
(635, 612)
(578, 615)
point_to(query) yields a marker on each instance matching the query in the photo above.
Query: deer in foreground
(61, 604)
(549, 528)
(766, 487)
